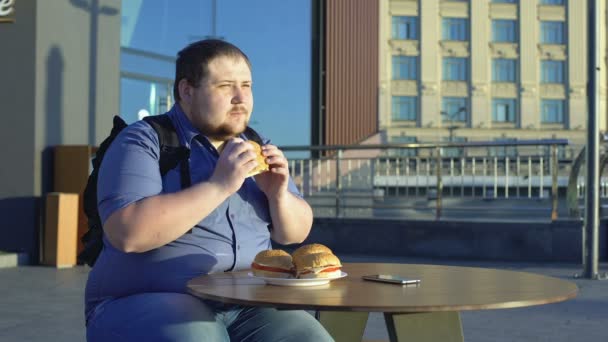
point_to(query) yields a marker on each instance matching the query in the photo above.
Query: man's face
(221, 106)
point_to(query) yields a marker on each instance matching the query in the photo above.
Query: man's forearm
(291, 219)
(155, 221)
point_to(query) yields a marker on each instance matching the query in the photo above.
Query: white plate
(298, 282)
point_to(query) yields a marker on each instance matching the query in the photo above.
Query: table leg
(343, 326)
(432, 326)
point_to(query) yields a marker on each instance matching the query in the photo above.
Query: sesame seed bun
(262, 165)
(311, 249)
(273, 263)
(317, 265)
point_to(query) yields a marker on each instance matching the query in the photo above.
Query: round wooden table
(428, 311)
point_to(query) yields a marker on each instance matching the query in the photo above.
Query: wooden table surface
(442, 288)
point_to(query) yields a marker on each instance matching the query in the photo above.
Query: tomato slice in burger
(270, 269)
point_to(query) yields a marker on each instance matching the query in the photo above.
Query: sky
(275, 34)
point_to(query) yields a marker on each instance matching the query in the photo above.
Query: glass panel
(405, 67)
(552, 32)
(454, 69)
(504, 30)
(454, 109)
(455, 29)
(503, 70)
(145, 98)
(403, 152)
(552, 72)
(405, 28)
(552, 111)
(503, 110)
(404, 108)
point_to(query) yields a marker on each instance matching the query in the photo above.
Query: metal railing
(426, 180)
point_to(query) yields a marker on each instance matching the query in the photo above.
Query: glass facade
(405, 67)
(504, 70)
(455, 29)
(454, 69)
(552, 71)
(552, 32)
(504, 110)
(403, 152)
(152, 32)
(405, 28)
(404, 108)
(552, 111)
(551, 2)
(504, 30)
(454, 109)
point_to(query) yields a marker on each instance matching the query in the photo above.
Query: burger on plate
(311, 249)
(272, 263)
(262, 164)
(317, 265)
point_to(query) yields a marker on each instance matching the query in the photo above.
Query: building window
(503, 151)
(454, 109)
(503, 110)
(405, 67)
(551, 2)
(503, 70)
(504, 30)
(505, 1)
(455, 29)
(405, 28)
(453, 152)
(552, 111)
(552, 32)
(454, 69)
(552, 71)
(403, 152)
(404, 108)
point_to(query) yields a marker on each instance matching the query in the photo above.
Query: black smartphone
(392, 279)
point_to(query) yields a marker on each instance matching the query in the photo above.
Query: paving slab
(46, 304)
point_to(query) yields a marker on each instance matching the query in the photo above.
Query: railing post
(439, 184)
(554, 194)
(338, 184)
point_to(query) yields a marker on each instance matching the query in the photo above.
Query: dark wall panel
(351, 70)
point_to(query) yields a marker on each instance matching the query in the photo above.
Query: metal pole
(590, 230)
(438, 203)
(554, 194)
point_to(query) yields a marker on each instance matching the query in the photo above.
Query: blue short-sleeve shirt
(227, 239)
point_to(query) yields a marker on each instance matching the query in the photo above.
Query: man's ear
(185, 90)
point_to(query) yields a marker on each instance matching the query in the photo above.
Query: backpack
(172, 153)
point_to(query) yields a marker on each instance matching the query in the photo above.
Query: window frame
(409, 25)
(448, 69)
(411, 115)
(404, 67)
(461, 32)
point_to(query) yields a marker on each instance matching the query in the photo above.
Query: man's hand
(235, 162)
(274, 183)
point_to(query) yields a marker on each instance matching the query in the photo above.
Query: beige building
(482, 70)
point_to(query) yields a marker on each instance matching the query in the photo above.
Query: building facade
(485, 70)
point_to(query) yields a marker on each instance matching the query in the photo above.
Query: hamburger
(272, 263)
(317, 265)
(262, 164)
(311, 249)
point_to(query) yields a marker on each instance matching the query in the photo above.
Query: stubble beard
(224, 131)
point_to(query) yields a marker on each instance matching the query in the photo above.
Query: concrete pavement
(46, 304)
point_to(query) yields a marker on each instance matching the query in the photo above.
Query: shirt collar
(183, 124)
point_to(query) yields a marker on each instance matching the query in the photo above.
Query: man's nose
(238, 96)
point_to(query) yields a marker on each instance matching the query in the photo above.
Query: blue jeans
(182, 317)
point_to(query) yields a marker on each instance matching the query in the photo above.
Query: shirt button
(232, 216)
(238, 247)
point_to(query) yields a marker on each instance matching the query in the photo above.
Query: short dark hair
(193, 61)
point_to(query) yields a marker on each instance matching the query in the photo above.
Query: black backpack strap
(172, 152)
